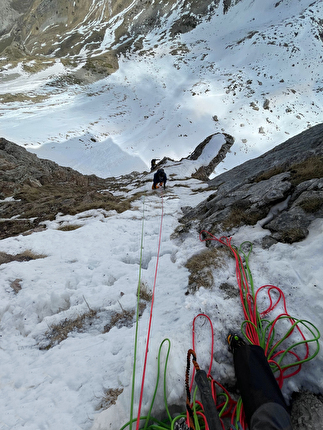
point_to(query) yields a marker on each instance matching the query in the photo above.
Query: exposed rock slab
(283, 189)
(204, 172)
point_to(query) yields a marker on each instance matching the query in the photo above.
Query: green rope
(246, 259)
(245, 268)
(137, 317)
(238, 412)
(266, 331)
(225, 403)
(263, 329)
(161, 424)
(157, 383)
(196, 421)
(157, 425)
(176, 419)
(315, 339)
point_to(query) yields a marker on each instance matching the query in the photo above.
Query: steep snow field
(96, 267)
(166, 98)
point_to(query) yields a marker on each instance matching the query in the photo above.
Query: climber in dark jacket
(263, 402)
(160, 179)
(153, 164)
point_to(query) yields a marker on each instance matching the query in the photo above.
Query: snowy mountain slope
(82, 27)
(254, 75)
(89, 276)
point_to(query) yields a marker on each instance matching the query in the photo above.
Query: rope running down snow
(151, 313)
(137, 314)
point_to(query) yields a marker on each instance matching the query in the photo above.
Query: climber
(263, 402)
(153, 164)
(160, 179)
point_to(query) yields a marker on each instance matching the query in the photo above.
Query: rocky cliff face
(32, 22)
(282, 189)
(88, 32)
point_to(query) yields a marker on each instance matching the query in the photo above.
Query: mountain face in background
(56, 28)
(96, 32)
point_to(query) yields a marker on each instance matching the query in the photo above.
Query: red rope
(193, 343)
(150, 318)
(231, 403)
(248, 305)
(253, 316)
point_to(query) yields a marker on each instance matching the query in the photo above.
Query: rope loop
(288, 342)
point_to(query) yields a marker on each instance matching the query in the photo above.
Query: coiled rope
(259, 330)
(285, 361)
(224, 407)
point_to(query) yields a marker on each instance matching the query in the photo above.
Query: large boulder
(282, 189)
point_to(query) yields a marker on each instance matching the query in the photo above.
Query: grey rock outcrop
(282, 189)
(307, 411)
(19, 167)
(204, 172)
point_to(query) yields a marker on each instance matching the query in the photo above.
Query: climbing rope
(274, 336)
(258, 329)
(150, 317)
(168, 424)
(224, 407)
(137, 315)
